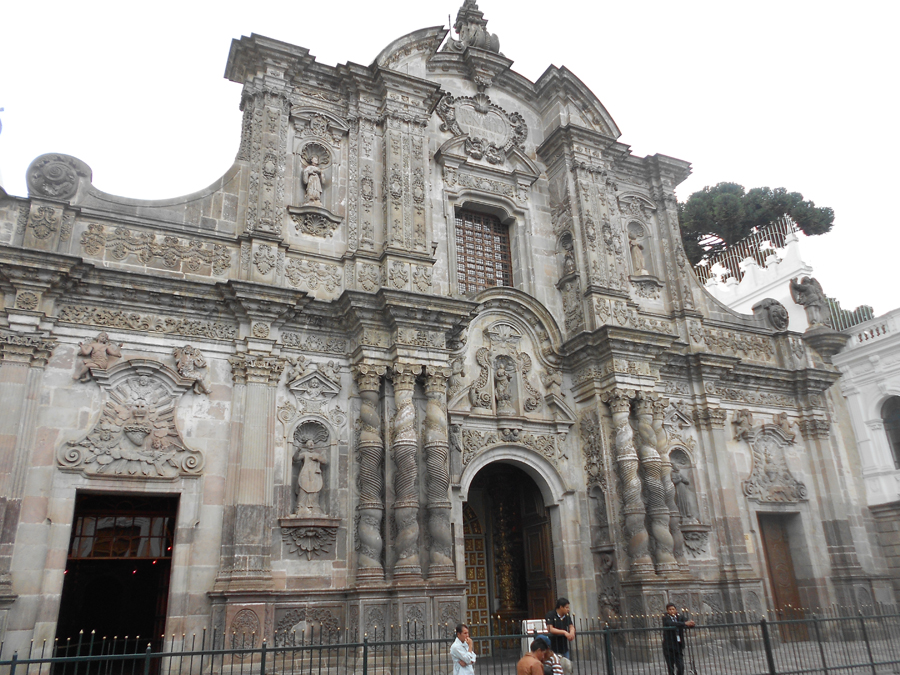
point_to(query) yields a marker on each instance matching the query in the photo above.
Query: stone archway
(508, 543)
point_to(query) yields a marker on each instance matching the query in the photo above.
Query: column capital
(256, 369)
(404, 375)
(368, 376)
(710, 418)
(619, 400)
(26, 349)
(436, 379)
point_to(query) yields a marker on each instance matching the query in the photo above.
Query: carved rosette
(406, 480)
(310, 537)
(136, 435)
(370, 457)
(56, 176)
(638, 543)
(651, 466)
(437, 451)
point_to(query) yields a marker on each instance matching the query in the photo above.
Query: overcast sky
(801, 95)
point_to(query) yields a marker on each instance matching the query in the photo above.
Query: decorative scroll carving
(490, 132)
(108, 318)
(265, 258)
(146, 247)
(309, 538)
(136, 434)
(313, 274)
(315, 343)
(532, 396)
(480, 395)
(475, 442)
(770, 479)
(245, 630)
(304, 625)
(55, 176)
(728, 342)
(592, 447)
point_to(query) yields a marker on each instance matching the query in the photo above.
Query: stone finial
(470, 26)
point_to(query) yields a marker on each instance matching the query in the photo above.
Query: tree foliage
(721, 216)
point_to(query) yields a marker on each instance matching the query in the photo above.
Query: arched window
(483, 257)
(890, 415)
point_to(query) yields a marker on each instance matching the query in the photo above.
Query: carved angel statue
(100, 353)
(502, 377)
(685, 499)
(312, 178)
(297, 367)
(783, 421)
(808, 292)
(743, 424)
(309, 480)
(331, 370)
(188, 361)
(552, 380)
(457, 374)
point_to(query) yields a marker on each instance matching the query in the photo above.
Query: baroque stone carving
(188, 362)
(313, 274)
(314, 343)
(123, 242)
(808, 292)
(311, 455)
(490, 132)
(298, 626)
(26, 300)
(55, 176)
(100, 316)
(594, 455)
(775, 313)
(265, 258)
(370, 478)
(770, 479)
(309, 539)
(136, 434)
(99, 353)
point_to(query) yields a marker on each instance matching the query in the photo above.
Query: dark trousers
(674, 659)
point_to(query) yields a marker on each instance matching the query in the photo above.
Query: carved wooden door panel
(785, 591)
(477, 600)
(538, 558)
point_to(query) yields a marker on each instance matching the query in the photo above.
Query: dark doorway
(783, 580)
(509, 553)
(117, 574)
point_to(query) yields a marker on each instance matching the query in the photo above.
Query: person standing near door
(673, 639)
(561, 628)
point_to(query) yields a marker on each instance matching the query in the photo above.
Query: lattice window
(483, 257)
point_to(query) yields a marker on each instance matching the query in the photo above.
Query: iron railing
(758, 245)
(830, 643)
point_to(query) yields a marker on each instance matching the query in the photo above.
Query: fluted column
(406, 477)
(662, 441)
(638, 543)
(255, 379)
(22, 362)
(437, 461)
(370, 481)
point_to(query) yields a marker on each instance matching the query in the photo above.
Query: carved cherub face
(103, 338)
(314, 160)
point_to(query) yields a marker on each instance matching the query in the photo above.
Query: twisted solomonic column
(638, 543)
(370, 481)
(651, 464)
(406, 478)
(437, 461)
(662, 443)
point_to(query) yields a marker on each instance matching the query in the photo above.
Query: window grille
(483, 257)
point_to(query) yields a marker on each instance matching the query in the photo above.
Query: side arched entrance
(508, 549)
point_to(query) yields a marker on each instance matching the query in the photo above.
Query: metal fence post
(147, 660)
(262, 658)
(767, 645)
(12, 663)
(607, 645)
(365, 655)
(865, 633)
(819, 642)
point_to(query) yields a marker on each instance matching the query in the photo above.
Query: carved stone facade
(289, 353)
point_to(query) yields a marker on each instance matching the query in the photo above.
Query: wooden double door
(774, 529)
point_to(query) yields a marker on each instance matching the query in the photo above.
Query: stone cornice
(26, 349)
(256, 369)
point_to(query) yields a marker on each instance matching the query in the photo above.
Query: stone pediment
(488, 131)
(314, 385)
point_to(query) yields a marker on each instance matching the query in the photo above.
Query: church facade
(430, 351)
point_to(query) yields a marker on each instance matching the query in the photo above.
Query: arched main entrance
(508, 544)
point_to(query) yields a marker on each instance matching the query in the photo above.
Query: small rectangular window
(483, 259)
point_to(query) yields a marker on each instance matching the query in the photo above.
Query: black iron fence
(829, 643)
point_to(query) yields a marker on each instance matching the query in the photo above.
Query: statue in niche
(637, 254)
(311, 456)
(685, 498)
(808, 293)
(502, 381)
(99, 353)
(569, 263)
(312, 178)
(187, 361)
